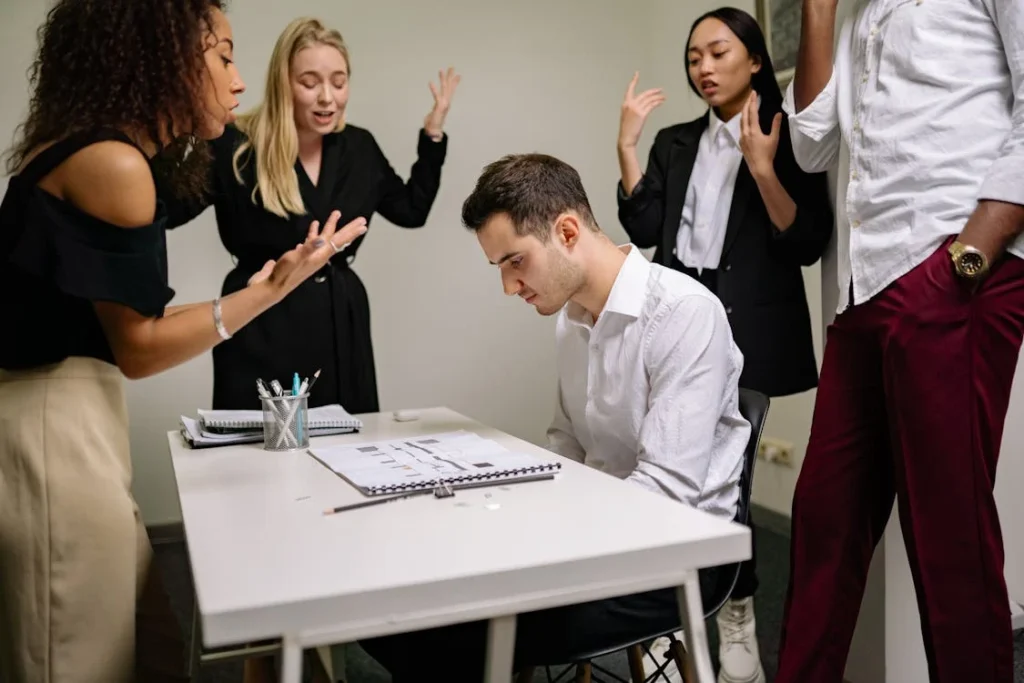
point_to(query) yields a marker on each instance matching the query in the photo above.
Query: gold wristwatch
(968, 261)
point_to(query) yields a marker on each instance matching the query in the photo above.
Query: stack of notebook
(228, 427)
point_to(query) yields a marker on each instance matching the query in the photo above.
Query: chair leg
(636, 664)
(683, 661)
(316, 665)
(583, 672)
(195, 649)
(526, 675)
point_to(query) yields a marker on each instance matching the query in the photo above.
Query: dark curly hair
(134, 64)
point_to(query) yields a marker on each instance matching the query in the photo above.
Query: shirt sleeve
(689, 361)
(561, 437)
(815, 130)
(1003, 182)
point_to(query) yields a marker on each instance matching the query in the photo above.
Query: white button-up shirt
(705, 216)
(924, 115)
(650, 392)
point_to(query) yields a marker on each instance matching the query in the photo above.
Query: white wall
(535, 78)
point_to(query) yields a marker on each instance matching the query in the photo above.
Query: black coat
(325, 322)
(759, 278)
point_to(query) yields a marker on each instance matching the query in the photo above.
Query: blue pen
(295, 392)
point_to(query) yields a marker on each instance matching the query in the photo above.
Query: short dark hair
(532, 189)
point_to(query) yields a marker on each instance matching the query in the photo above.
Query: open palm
(443, 93)
(635, 109)
(294, 266)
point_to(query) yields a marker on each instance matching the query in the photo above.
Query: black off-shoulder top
(56, 260)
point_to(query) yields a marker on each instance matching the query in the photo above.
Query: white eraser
(405, 415)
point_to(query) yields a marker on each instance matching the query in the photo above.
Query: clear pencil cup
(285, 423)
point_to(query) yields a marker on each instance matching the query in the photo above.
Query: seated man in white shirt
(647, 391)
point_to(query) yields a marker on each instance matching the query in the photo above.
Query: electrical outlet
(775, 450)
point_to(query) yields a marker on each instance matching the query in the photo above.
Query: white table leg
(501, 645)
(291, 660)
(691, 610)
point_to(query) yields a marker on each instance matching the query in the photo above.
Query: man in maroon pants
(922, 109)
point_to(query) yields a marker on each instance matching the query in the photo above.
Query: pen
(276, 386)
(297, 391)
(262, 389)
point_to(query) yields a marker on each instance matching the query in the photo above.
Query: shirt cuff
(818, 118)
(623, 197)
(433, 151)
(1003, 181)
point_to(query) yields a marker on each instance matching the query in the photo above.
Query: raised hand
(443, 93)
(289, 271)
(635, 109)
(758, 149)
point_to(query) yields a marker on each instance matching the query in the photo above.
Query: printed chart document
(459, 458)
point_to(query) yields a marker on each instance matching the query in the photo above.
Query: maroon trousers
(911, 403)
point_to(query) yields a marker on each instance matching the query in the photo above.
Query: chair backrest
(754, 409)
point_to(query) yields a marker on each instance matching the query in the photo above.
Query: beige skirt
(77, 597)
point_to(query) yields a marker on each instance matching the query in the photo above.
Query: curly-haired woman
(83, 299)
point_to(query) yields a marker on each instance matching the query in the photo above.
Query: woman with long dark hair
(723, 200)
(84, 303)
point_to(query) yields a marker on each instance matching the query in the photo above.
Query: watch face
(972, 263)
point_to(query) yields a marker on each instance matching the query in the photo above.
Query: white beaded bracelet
(218, 320)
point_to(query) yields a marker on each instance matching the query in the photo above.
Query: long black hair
(745, 28)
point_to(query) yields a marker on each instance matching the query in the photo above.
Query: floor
(773, 564)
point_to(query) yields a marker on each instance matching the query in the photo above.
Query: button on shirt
(708, 200)
(924, 115)
(650, 392)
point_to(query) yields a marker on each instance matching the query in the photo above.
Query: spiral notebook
(196, 437)
(329, 417)
(461, 459)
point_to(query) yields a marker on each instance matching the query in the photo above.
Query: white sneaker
(658, 654)
(738, 655)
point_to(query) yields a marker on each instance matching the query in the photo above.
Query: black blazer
(325, 322)
(759, 275)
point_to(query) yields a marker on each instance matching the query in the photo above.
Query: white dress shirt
(650, 393)
(924, 114)
(705, 215)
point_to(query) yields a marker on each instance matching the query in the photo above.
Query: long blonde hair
(269, 128)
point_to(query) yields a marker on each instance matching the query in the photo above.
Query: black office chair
(753, 407)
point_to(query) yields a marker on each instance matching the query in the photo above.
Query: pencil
(374, 501)
(316, 376)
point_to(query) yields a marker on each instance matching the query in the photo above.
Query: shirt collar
(629, 291)
(731, 127)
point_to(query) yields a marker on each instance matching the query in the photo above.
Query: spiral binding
(462, 479)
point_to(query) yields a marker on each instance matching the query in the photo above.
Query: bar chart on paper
(457, 458)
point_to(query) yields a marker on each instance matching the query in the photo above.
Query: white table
(266, 562)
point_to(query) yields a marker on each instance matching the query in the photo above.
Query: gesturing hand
(294, 266)
(635, 109)
(443, 93)
(758, 149)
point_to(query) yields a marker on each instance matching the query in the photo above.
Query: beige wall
(535, 78)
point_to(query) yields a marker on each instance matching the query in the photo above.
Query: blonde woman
(290, 160)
